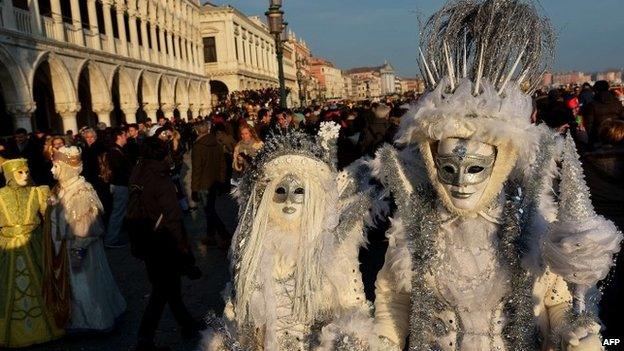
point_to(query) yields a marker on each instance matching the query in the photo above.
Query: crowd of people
(129, 175)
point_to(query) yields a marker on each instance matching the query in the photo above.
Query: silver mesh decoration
(495, 41)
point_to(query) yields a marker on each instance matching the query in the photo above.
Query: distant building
(373, 82)
(571, 78)
(547, 79)
(329, 78)
(416, 85)
(239, 53)
(613, 76)
(388, 79)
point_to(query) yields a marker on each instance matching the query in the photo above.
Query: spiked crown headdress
(480, 59)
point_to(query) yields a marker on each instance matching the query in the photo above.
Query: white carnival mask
(21, 176)
(56, 171)
(464, 169)
(288, 199)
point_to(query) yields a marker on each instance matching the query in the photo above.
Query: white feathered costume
(291, 278)
(96, 301)
(478, 278)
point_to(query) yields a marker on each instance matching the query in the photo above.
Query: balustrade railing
(22, 20)
(48, 27)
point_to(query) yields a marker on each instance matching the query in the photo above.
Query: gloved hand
(583, 339)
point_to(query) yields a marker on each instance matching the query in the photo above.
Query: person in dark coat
(377, 130)
(159, 239)
(208, 167)
(30, 148)
(604, 106)
(557, 115)
(120, 169)
(604, 172)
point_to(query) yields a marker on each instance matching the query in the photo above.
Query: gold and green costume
(24, 316)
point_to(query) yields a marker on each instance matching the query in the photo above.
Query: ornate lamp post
(277, 27)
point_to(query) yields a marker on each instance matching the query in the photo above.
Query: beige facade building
(571, 78)
(329, 78)
(613, 77)
(239, 53)
(68, 64)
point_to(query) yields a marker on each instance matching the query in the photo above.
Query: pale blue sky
(354, 33)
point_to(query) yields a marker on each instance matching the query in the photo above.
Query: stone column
(134, 35)
(176, 45)
(93, 24)
(189, 59)
(146, 53)
(22, 113)
(171, 57)
(195, 110)
(151, 111)
(198, 63)
(161, 39)
(167, 110)
(103, 111)
(130, 113)
(183, 109)
(57, 17)
(77, 23)
(108, 25)
(155, 54)
(35, 17)
(121, 27)
(68, 113)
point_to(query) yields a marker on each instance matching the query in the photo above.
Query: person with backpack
(158, 237)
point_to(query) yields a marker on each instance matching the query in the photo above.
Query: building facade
(240, 53)
(571, 78)
(306, 82)
(374, 82)
(65, 64)
(329, 78)
(388, 79)
(613, 77)
(366, 82)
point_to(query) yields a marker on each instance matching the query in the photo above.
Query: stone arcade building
(65, 64)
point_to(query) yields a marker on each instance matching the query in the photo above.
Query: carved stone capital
(102, 107)
(22, 110)
(67, 109)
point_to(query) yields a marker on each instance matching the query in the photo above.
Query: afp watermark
(611, 342)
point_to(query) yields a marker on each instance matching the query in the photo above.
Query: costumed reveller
(24, 315)
(76, 218)
(295, 252)
(485, 252)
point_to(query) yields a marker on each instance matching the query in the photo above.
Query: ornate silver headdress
(479, 59)
(495, 41)
(283, 148)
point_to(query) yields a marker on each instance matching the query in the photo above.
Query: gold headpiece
(10, 166)
(68, 155)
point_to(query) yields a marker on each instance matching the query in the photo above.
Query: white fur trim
(355, 324)
(212, 341)
(398, 257)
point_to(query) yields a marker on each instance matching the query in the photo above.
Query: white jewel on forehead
(460, 150)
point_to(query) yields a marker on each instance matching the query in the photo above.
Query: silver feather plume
(498, 41)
